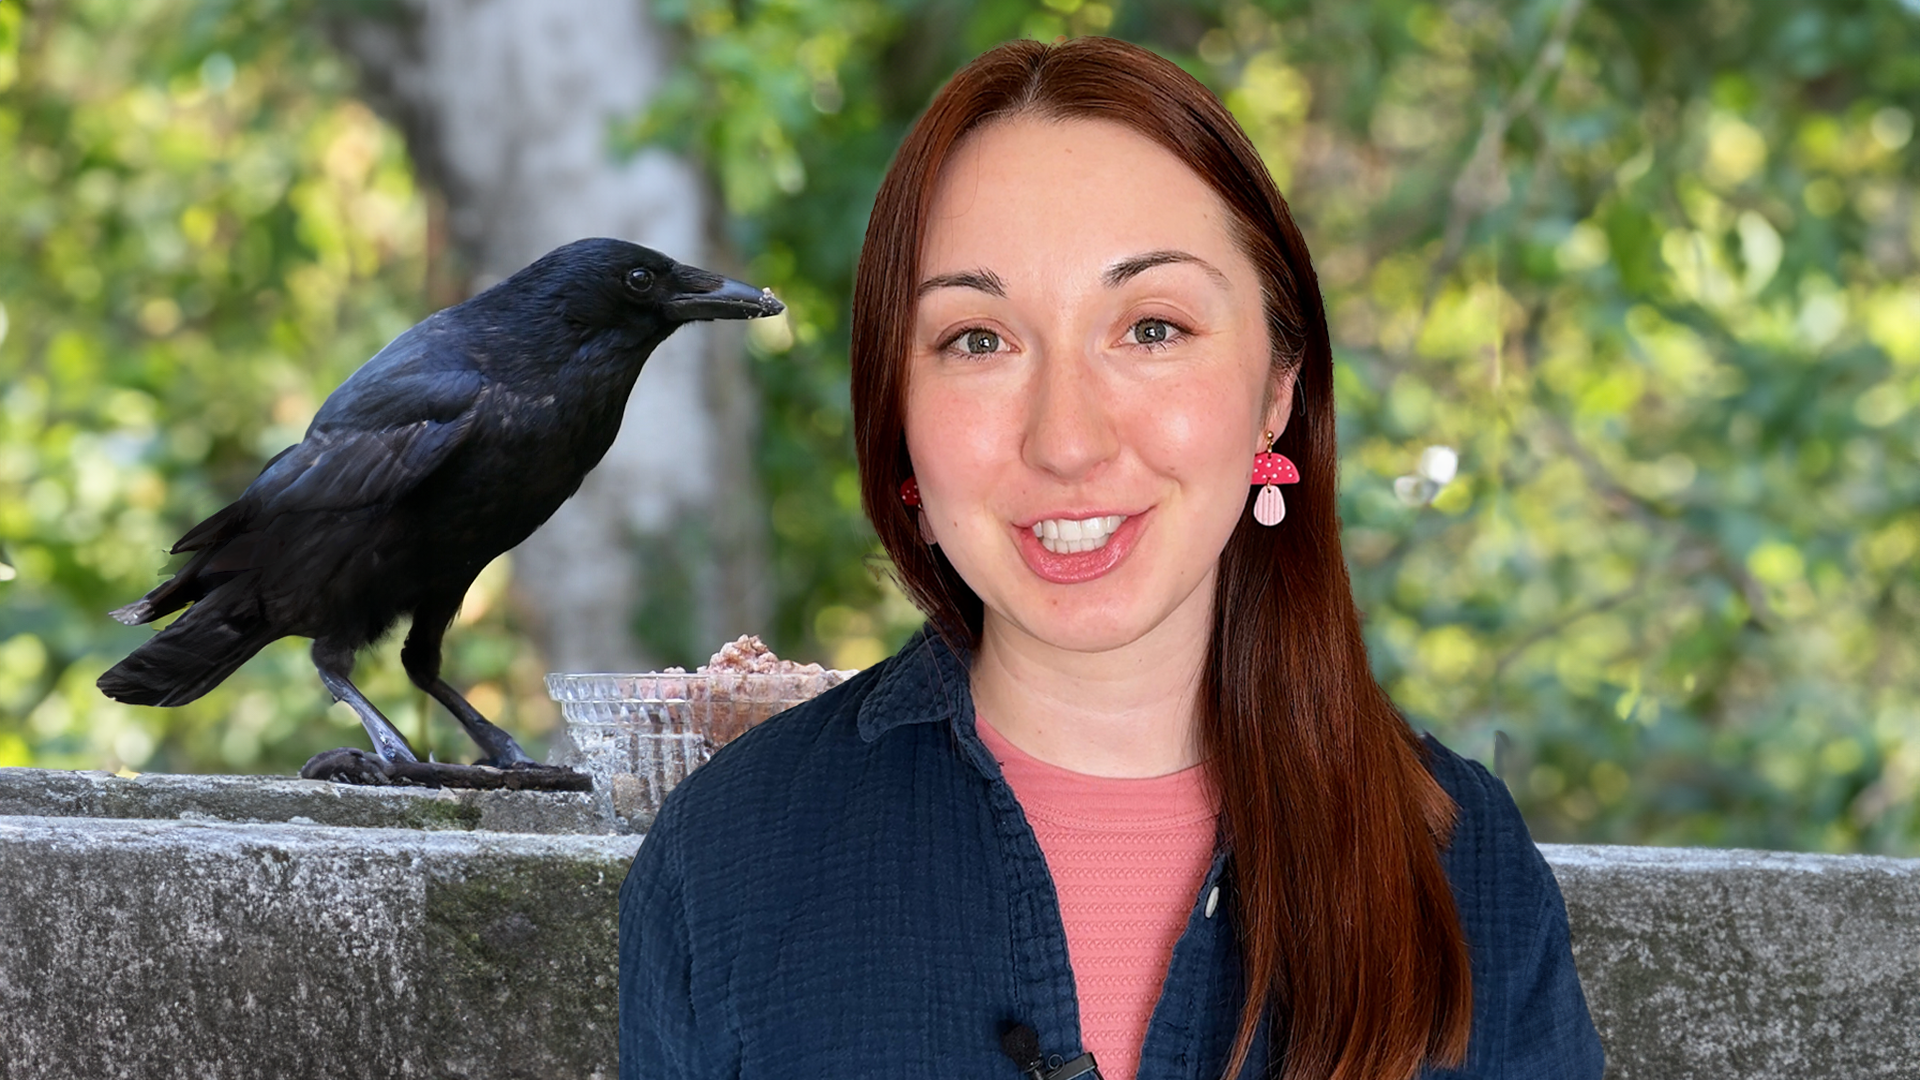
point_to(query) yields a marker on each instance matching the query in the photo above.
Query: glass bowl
(639, 735)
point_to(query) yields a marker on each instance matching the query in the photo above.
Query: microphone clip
(1080, 1068)
(1023, 1047)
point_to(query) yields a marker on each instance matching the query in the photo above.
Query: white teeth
(1068, 536)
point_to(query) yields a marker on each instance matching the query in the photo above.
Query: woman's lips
(1072, 569)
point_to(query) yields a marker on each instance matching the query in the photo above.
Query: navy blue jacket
(851, 891)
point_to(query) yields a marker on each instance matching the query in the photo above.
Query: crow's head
(612, 286)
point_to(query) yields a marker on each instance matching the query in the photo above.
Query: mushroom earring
(1271, 469)
(910, 495)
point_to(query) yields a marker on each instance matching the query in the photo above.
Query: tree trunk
(507, 105)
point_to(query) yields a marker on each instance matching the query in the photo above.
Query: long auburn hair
(1346, 918)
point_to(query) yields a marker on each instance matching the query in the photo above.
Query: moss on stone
(530, 940)
(439, 814)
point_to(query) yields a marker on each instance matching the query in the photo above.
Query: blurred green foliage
(1648, 275)
(203, 233)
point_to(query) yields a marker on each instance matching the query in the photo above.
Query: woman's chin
(1088, 626)
(1106, 599)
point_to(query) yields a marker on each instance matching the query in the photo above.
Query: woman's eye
(1153, 331)
(980, 342)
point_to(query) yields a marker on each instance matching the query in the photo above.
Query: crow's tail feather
(140, 611)
(189, 585)
(190, 657)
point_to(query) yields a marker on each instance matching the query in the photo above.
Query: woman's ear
(1280, 402)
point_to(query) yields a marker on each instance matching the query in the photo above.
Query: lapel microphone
(1022, 1045)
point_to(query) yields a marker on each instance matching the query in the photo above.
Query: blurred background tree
(203, 231)
(1625, 296)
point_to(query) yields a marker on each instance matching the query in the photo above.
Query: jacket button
(1213, 900)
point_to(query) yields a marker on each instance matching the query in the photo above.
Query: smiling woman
(1134, 796)
(1082, 425)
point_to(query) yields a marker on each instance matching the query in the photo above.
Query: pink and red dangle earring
(910, 495)
(1270, 469)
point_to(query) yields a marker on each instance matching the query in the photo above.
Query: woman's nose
(1070, 430)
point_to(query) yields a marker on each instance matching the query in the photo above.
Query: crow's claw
(348, 765)
(351, 766)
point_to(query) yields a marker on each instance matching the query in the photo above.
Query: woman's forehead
(1046, 195)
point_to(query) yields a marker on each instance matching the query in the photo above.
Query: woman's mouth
(1068, 536)
(1070, 550)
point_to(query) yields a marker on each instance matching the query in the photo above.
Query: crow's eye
(640, 279)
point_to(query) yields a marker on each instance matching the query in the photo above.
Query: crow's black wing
(344, 469)
(377, 437)
(428, 373)
(384, 430)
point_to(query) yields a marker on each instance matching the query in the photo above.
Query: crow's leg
(421, 657)
(335, 663)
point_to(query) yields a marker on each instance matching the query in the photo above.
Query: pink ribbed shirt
(1127, 857)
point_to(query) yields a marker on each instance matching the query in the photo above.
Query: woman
(1134, 792)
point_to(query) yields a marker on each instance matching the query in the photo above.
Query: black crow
(447, 448)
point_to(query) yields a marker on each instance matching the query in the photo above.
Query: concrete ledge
(226, 938)
(258, 799)
(1725, 964)
(178, 949)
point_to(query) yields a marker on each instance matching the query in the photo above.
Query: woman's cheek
(957, 441)
(1189, 436)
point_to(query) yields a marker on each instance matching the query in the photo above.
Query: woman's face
(1089, 380)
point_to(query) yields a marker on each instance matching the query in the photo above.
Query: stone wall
(1737, 964)
(238, 927)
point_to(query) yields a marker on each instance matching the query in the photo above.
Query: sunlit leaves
(1672, 353)
(204, 233)
(1674, 349)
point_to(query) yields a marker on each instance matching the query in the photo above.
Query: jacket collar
(925, 681)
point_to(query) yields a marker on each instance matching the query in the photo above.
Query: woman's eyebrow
(1126, 268)
(985, 280)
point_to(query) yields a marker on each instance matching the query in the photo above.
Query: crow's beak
(729, 299)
